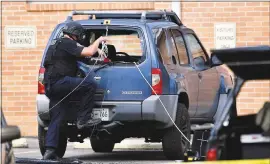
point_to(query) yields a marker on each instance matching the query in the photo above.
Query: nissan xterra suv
(146, 48)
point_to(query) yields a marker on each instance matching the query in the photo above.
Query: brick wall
(126, 43)
(252, 28)
(20, 66)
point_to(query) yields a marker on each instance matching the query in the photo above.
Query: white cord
(162, 105)
(104, 45)
(105, 50)
(95, 126)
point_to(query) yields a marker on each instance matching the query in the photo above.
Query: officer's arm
(92, 49)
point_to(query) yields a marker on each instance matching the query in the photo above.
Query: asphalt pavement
(118, 156)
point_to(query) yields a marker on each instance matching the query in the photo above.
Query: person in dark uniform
(60, 79)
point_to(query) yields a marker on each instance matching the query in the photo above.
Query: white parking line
(33, 151)
(179, 161)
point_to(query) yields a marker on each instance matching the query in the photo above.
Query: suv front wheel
(61, 149)
(173, 143)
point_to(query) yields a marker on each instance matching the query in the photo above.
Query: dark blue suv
(146, 48)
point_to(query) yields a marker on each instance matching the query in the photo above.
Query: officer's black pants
(85, 92)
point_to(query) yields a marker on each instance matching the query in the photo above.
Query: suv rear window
(124, 45)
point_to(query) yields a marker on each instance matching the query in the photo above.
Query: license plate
(102, 113)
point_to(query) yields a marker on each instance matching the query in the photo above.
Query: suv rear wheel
(60, 151)
(173, 143)
(102, 145)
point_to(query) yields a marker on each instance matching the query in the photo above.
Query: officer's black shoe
(50, 154)
(87, 124)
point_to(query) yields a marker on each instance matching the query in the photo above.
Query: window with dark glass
(160, 40)
(181, 48)
(195, 48)
(173, 50)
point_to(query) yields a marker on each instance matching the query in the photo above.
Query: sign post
(20, 37)
(225, 35)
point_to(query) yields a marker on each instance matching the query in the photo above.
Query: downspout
(176, 7)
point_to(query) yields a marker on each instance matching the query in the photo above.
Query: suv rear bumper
(151, 109)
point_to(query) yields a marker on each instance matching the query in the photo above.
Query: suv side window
(181, 47)
(172, 49)
(160, 40)
(196, 49)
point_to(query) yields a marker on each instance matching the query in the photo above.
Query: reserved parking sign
(20, 36)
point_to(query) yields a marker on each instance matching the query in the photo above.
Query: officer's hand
(102, 39)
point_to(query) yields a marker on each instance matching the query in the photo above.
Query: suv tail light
(106, 60)
(156, 81)
(41, 88)
(211, 154)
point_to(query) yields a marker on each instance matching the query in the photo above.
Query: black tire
(102, 146)
(173, 143)
(60, 151)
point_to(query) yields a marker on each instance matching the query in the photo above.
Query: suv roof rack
(142, 15)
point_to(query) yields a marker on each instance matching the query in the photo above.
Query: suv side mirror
(199, 62)
(215, 61)
(10, 133)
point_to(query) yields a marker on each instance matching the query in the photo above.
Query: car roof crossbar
(129, 14)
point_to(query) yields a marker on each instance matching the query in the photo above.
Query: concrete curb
(20, 143)
(125, 144)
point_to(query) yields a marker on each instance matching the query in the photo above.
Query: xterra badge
(131, 92)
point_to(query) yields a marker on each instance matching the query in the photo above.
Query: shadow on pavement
(39, 161)
(124, 156)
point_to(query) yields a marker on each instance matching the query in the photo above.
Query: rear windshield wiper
(121, 62)
(103, 66)
(110, 64)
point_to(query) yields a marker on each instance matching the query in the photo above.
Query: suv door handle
(200, 75)
(176, 76)
(174, 60)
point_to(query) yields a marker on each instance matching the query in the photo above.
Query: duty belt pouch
(54, 45)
